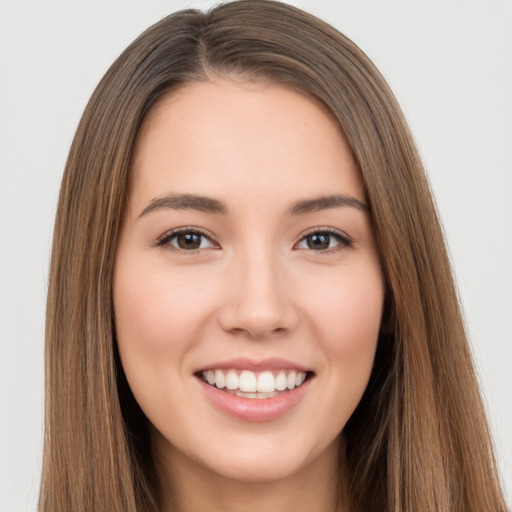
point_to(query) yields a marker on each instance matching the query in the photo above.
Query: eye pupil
(318, 241)
(188, 241)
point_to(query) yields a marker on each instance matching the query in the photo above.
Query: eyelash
(344, 241)
(165, 240)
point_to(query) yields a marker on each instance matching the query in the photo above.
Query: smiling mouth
(249, 384)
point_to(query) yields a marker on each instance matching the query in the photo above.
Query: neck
(187, 486)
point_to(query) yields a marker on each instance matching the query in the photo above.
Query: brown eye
(319, 241)
(323, 241)
(186, 241)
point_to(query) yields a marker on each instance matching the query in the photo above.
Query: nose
(258, 298)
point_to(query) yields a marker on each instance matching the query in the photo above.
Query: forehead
(215, 137)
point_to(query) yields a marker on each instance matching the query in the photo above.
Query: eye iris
(318, 241)
(188, 241)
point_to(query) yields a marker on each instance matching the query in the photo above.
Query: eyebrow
(186, 202)
(326, 202)
(209, 205)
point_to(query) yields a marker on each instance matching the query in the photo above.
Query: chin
(267, 460)
(258, 468)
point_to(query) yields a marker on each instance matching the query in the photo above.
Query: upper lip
(244, 363)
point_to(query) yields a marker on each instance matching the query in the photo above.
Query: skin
(254, 288)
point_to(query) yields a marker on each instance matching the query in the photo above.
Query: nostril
(257, 305)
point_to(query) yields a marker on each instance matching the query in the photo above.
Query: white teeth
(281, 381)
(249, 384)
(290, 381)
(231, 380)
(266, 382)
(267, 395)
(220, 380)
(246, 395)
(258, 395)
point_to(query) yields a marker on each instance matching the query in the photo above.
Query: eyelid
(163, 240)
(345, 240)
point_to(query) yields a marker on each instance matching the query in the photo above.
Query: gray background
(450, 65)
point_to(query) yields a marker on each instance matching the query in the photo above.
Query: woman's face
(246, 264)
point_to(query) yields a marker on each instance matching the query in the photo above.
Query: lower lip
(255, 410)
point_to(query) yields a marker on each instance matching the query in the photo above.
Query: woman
(248, 216)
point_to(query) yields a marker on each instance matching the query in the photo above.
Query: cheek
(158, 317)
(346, 320)
(343, 309)
(349, 313)
(157, 311)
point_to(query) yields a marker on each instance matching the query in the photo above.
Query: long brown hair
(419, 438)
